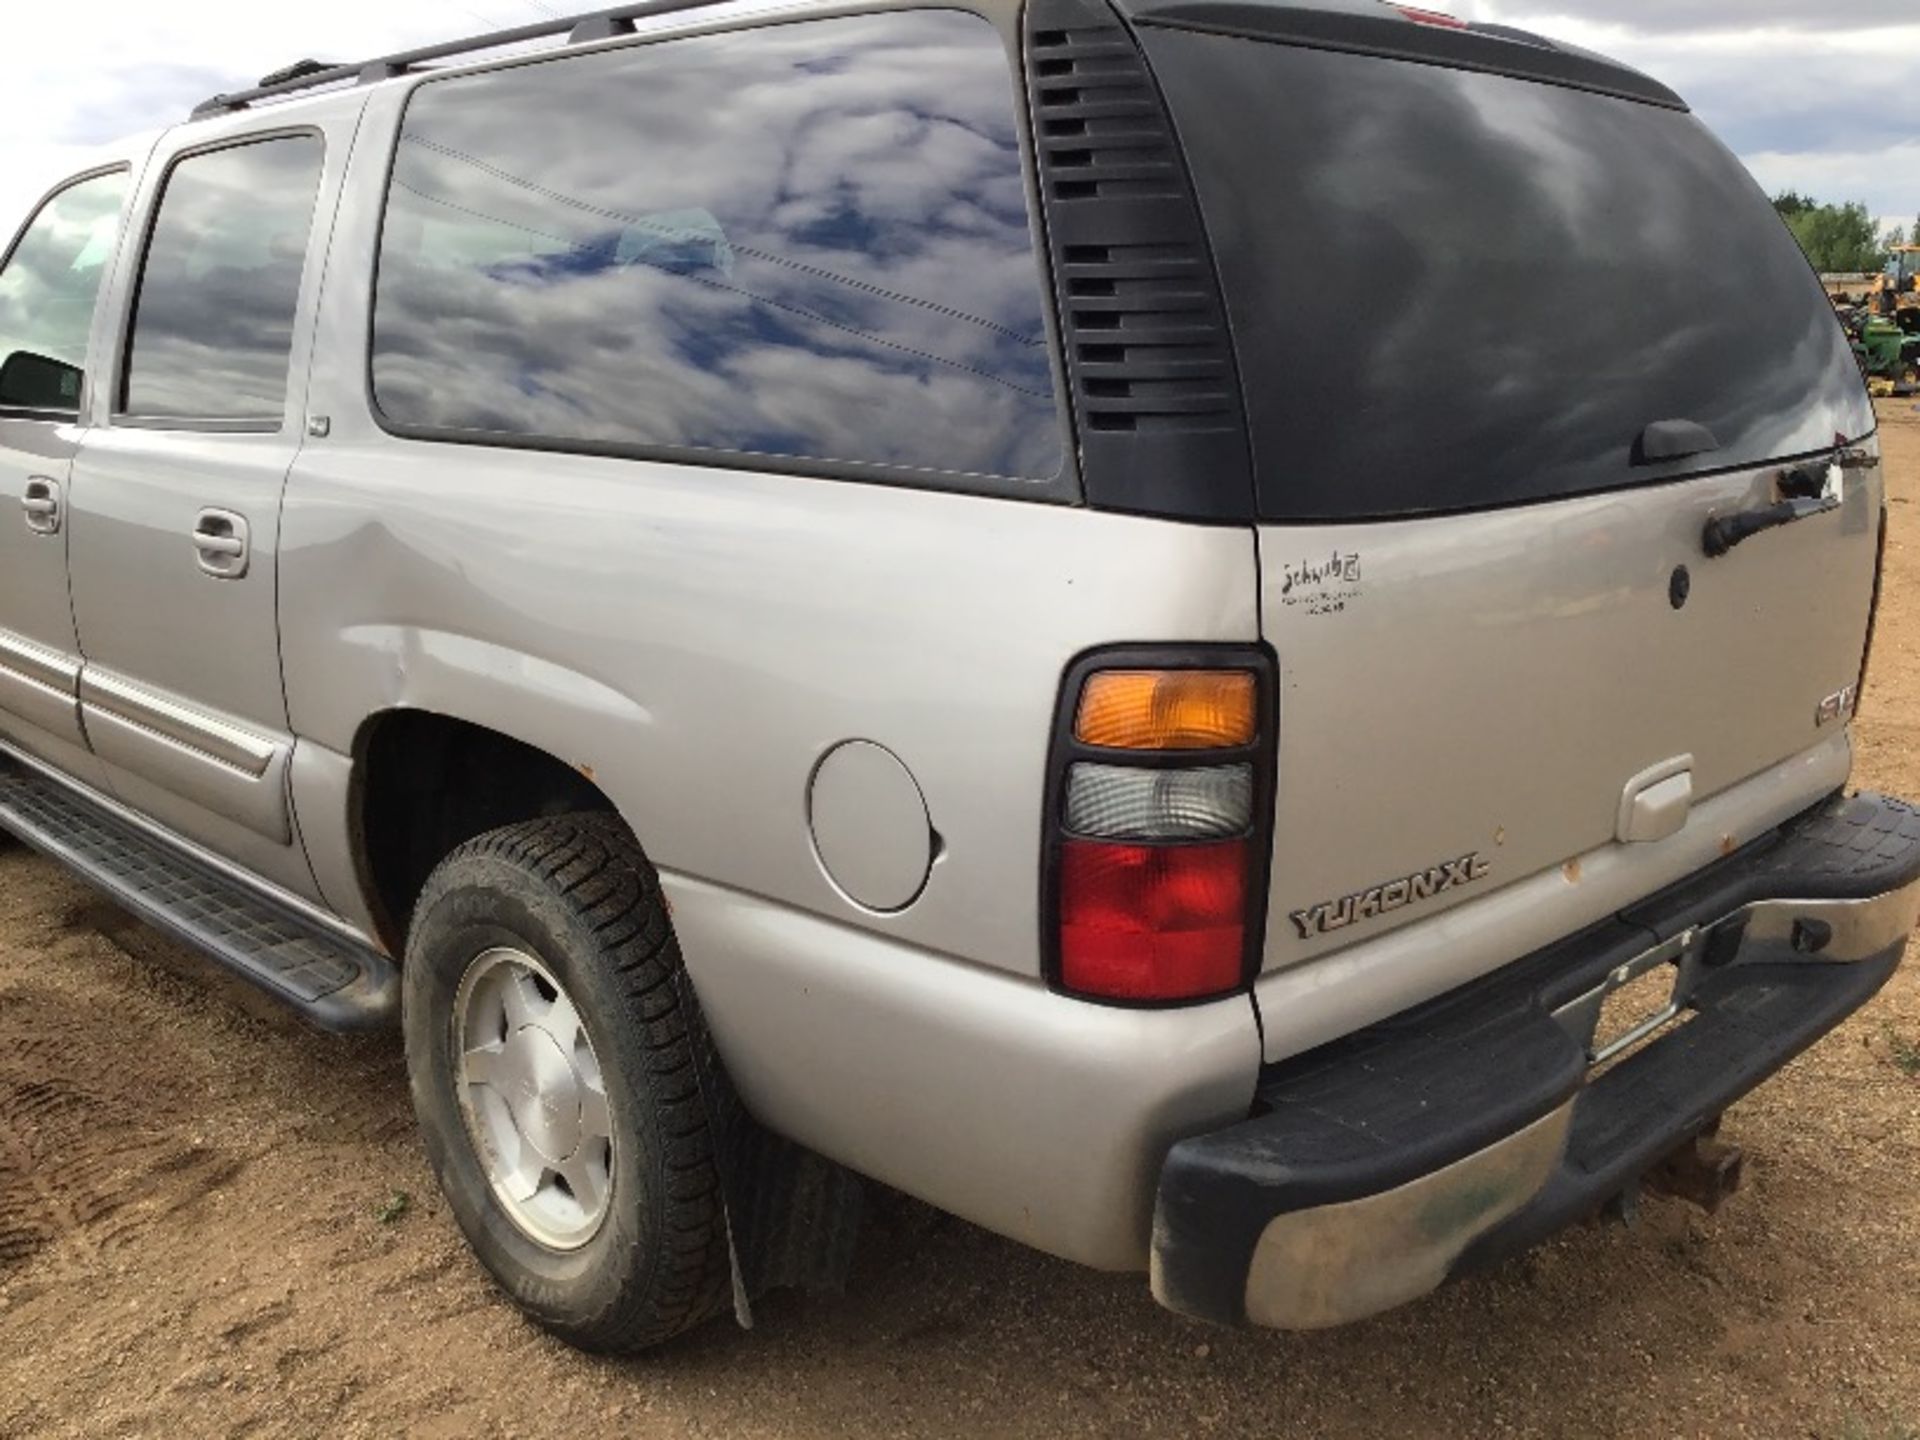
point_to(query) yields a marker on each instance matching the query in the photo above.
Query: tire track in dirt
(36, 1211)
(91, 1143)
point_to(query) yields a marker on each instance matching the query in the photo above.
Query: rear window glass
(1452, 290)
(807, 241)
(213, 327)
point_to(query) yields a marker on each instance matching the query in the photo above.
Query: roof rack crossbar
(579, 29)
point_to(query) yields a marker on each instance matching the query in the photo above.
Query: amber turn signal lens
(1167, 710)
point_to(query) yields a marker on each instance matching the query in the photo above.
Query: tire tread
(589, 863)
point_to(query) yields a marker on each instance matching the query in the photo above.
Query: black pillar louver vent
(1148, 353)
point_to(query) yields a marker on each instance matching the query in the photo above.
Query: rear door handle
(221, 542)
(40, 501)
(1723, 532)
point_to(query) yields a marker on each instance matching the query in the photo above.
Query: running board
(333, 980)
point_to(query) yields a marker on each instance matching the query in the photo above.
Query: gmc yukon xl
(1219, 635)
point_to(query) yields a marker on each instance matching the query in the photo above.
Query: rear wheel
(555, 1053)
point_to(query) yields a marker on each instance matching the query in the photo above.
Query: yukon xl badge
(1332, 915)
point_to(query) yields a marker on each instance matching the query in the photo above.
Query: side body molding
(204, 758)
(41, 686)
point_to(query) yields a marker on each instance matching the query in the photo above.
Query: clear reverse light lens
(1117, 802)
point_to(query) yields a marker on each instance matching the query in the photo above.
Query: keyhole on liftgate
(1679, 587)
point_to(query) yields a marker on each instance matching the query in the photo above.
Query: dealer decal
(1321, 587)
(1332, 915)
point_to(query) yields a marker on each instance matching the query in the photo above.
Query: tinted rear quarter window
(1452, 290)
(213, 327)
(807, 241)
(48, 289)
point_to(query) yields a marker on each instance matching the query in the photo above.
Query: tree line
(1839, 238)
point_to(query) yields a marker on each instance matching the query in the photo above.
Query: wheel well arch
(425, 782)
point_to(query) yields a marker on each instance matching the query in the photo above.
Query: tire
(575, 896)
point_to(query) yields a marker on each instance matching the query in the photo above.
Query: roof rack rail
(299, 70)
(311, 75)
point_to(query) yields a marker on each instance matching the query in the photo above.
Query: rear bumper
(1456, 1134)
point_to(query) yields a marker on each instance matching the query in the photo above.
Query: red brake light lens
(1152, 922)
(1432, 17)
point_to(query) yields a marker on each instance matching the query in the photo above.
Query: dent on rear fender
(486, 683)
(572, 717)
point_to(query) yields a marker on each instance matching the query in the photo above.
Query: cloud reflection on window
(48, 289)
(807, 240)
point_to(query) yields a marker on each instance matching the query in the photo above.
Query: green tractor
(1888, 349)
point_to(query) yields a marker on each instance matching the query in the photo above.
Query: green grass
(1904, 1052)
(389, 1210)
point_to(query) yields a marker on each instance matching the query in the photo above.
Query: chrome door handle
(40, 501)
(221, 543)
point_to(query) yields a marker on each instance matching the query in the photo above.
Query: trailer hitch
(1704, 1170)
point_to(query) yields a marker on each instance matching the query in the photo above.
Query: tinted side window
(47, 292)
(213, 328)
(807, 241)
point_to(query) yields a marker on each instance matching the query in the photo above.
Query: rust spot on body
(1572, 871)
(1728, 845)
(585, 769)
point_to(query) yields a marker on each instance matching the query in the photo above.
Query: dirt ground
(202, 1232)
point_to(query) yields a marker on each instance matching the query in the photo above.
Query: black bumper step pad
(1751, 1019)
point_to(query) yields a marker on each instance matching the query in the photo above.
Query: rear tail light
(1157, 831)
(1432, 17)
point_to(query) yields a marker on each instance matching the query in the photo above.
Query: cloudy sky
(1817, 95)
(1821, 96)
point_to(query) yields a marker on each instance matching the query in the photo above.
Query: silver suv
(1144, 619)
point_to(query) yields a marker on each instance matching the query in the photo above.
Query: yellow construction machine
(1898, 287)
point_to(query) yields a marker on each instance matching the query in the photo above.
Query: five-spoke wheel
(533, 1097)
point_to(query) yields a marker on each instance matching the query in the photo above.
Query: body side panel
(694, 641)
